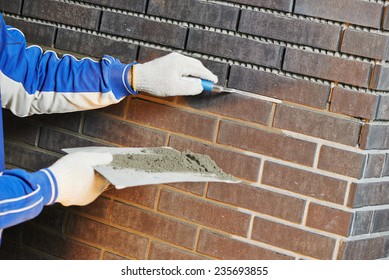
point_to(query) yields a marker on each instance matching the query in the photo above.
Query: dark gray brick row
(282, 5)
(13, 6)
(132, 5)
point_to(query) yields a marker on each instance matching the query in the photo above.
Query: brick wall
(314, 169)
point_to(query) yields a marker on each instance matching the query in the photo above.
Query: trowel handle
(207, 85)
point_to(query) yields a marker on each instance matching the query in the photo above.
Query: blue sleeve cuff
(118, 79)
(46, 180)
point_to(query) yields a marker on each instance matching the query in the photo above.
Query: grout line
(317, 155)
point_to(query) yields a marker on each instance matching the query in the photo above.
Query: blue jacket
(37, 82)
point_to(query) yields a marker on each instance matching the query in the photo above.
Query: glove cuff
(48, 183)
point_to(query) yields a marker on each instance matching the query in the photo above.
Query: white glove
(169, 76)
(77, 182)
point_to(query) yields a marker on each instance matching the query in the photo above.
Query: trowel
(129, 177)
(211, 87)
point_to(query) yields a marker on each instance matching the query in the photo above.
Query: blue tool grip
(207, 85)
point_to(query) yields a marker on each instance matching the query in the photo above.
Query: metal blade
(249, 94)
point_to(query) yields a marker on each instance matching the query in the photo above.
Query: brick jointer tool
(211, 87)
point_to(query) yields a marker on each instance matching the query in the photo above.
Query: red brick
(112, 257)
(160, 251)
(204, 212)
(293, 239)
(329, 219)
(323, 66)
(58, 246)
(231, 105)
(278, 86)
(105, 236)
(173, 119)
(354, 103)
(317, 124)
(192, 187)
(121, 132)
(239, 165)
(98, 208)
(352, 11)
(223, 247)
(154, 224)
(304, 182)
(342, 162)
(143, 195)
(375, 136)
(259, 200)
(290, 29)
(272, 144)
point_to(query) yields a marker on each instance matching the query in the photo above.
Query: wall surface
(314, 169)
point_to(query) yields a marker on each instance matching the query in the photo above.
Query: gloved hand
(77, 182)
(169, 76)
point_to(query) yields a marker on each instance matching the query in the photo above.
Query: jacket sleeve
(37, 82)
(24, 194)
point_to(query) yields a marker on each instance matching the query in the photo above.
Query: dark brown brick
(27, 158)
(94, 45)
(197, 188)
(204, 13)
(365, 44)
(368, 194)
(53, 140)
(317, 124)
(12, 6)
(241, 49)
(142, 195)
(143, 29)
(283, 5)
(293, 239)
(231, 105)
(35, 33)
(237, 164)
(173, 119)
(364, 249)
(362, 222)
(58, 246)
(300, 31)
(341, 162)
(121, 132)
(304, 182)
(281, 87)
(357, 12)
(265, 142)
(16, 251)
(385, 23)
(259, 200)
(68, 121)
(112, 257)
(52, 217)
(223, 247)
(116, 240)
(204, 212)
(61, 12)
(160, 251)
(133, 5)
(329, 219)
(375, 136)
(354, 103)
(99, 208)
(323, 66)
(154, 224)
(19, 130)
(374, 165)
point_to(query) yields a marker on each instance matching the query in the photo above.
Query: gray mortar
(169, 160)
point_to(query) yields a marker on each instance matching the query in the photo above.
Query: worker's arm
(36, 82)
(69, 181)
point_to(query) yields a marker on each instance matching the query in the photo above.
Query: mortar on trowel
(146, 166)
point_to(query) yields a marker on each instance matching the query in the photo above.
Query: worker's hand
(77, 182)
(168, 76)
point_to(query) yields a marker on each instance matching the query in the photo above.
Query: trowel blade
(249, 94)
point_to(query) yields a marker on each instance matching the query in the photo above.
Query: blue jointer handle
(207, 85)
